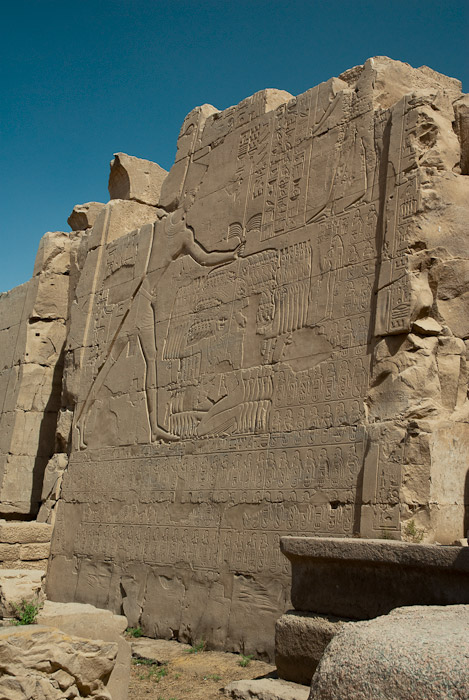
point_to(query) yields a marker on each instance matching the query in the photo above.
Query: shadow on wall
(47, 433)
(466, 507)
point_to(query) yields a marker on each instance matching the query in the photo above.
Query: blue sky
(82, 80)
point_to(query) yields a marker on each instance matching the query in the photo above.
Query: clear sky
(84, 79)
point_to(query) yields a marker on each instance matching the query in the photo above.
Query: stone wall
(24, 545)
(270, 340)
(32, 335)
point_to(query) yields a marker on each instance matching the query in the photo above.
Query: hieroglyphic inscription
(233, 409)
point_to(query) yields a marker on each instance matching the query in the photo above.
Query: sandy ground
(192, 676)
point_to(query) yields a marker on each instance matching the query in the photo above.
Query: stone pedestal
(362, 579)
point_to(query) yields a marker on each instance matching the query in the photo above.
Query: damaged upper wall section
(417, 402)
(35, 318)
(32, 334)
(204, 129)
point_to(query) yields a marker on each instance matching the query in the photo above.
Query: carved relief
(226, 395)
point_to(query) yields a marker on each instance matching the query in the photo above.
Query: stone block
(42, 662)
(159, 650)
(83, 216)
(53, 255)
(266, 689)
(81, 620)
(135, 178)
(117, 218)
(9, 552)
(24, 532)
(300, 640)
(414, 652)
(367, 578)
(34, 552)
(39, 565)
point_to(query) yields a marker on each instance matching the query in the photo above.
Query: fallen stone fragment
(266, 689)
(427, 326)
(159, 650)
(413, 653)
(82, 620)
(135, 178)
(83, 216)
(43, 663)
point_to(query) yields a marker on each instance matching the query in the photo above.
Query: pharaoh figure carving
(172, 238)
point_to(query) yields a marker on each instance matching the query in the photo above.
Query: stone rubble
(42, 663)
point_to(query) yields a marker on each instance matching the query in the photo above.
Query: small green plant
(156, 671)
(134, 632)
(245, 660)
(156, 674)
(198, 647)
(26, 613)
(386, 535)
(212, 677)
(413, 533)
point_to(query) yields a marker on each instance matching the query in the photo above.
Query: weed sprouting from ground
(26, 613)
(412, 532)
(245, 660)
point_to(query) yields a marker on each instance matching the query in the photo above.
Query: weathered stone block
(9, 552)
(414, 652)
(266, 689)
(83, 216)
(367, 578)
(42, 662)
(80, 620)
(34, 552)
(300, 640)
(135, 178)
(24, 532)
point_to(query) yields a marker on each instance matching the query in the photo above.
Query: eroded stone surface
(412, 653)
(300, 640)
(42, 662)
(266, 689)
(32, 335)
(135, 178)
(277, 349)
(79, 620)
(83, 216)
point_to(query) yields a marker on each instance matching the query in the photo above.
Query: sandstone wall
(32, 335)
(280, 351)
(24, 545)
(278, 347)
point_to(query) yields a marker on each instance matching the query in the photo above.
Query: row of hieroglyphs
(179, 478)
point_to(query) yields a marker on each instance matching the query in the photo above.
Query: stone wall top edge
(376, 551)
